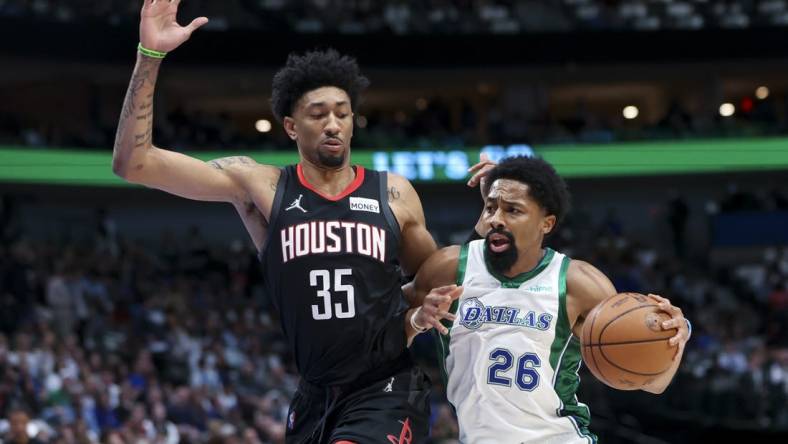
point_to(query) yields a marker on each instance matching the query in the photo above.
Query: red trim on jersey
(350, 188)
(344, 442)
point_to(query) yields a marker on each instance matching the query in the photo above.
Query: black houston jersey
(331, 270)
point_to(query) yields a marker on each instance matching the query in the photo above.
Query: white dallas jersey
(510, 356)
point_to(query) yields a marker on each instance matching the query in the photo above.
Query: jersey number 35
(322, 280)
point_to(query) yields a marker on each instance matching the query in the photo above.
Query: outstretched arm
(134, 156)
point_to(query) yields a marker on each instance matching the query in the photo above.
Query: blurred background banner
(129, 315)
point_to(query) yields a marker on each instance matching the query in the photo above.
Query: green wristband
(150, 53)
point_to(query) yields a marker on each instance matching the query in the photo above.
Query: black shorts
(392, 410)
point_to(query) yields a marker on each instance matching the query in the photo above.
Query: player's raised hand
(480, 171)
(436, 307)
(159, 29)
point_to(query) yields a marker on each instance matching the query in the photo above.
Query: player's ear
(548, 223)
(289, 124)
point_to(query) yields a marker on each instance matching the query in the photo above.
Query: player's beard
(331, 161)
(503, 261)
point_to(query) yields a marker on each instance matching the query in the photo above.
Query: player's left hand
(676, 321)
(480, 171)
(159, 28)
(436, 307)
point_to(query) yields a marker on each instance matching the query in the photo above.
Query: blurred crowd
(431, 16)
(491, 111)
(111, 342)
(104, 339)
(431, 123)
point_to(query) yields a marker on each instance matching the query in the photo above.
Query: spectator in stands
(677, 217)
(18, 432)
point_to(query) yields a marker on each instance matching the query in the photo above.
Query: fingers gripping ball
(624, 344)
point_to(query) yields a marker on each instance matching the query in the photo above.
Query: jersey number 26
(526, 375)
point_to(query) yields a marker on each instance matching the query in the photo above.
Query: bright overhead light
(762, 92)
(263, 125)
(630, 112)
(727, 109)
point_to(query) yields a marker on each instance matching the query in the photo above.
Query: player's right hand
(159, 29)
(436, 307)
(480, 172)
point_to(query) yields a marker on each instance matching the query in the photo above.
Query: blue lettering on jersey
(474, 314)
(544, 321)
(488, 316)
(471, 317)
(499, 312)
(530, 320)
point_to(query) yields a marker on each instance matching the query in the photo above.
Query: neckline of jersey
(353, 186)
(518, 280)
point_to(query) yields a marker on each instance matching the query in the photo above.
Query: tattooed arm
(417, 243)
(135, 158)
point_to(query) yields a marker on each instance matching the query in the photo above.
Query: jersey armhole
(563, 313)
(462, 263)
(275, 207)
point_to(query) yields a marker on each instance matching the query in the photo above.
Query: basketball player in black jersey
(333, 239)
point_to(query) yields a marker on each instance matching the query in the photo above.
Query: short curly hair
(545, 186)
(315, 69)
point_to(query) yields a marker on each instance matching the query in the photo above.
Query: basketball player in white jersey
(511, 335)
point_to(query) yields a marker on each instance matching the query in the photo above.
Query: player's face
(322, 126)
(516, 222)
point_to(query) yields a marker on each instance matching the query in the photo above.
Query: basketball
(624, 344)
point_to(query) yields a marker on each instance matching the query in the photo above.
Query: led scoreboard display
(59, 166)
(441, 165)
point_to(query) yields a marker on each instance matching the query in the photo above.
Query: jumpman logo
(296, 204)
(388, 386)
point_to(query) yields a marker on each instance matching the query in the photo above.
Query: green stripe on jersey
(565, 359)
(462, 262)
(442, 341)
(562, 330)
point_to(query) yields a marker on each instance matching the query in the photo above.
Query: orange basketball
(624, 344)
